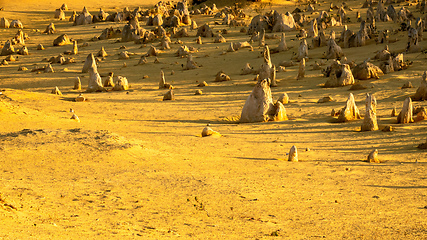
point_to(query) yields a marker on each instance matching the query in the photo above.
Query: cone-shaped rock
(350, 111)
(89, 63)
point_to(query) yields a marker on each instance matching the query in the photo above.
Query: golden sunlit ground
(137, 167)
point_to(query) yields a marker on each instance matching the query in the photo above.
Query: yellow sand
(136, 167)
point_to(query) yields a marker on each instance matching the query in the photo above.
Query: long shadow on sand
(396, 187)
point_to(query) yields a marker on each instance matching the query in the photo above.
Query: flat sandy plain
(137, 166)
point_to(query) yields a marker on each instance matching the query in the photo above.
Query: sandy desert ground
(137, 167)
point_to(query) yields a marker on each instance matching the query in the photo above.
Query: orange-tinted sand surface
(137, 167)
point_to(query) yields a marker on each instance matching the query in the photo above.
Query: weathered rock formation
(162, 83)
(204, 31)
(77, 84)
(142, 60)
(405, 116)
(421, 93)
(221, 77)
(95, 81)
(121, 84)
(102, 53)
(293, 154)
(109, 81)
(367, 70)
(370, 120)
(89, 63)
(302, 50)
(50, 29)
(282, 45)
(283, 22)
(339, 75)
(152, 51)
(83, 18)
(334, 51)
(413, 41)
(220, 39)
(59, 14)
(56, 91)
(23, 51)
(267, 69)
(16, 24)
(48, 69)
(7, 49)
(190, 63)
(259, 106)
(284, 98)
(62, 40)
(247, 69)
(207, 131)
(4, 23)
(170, 95)
(373, 157)
(350, 111)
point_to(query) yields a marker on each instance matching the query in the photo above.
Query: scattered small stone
(221, 77)
(373, 157)
(207, 131)
(56, 91)
(40, 47)
(75, 117)
(293, 154)
(77, 84)
(145, 76)
(324, 99)
(203, 84)
(387, 128)
(169, 95)
(357, 86)
(80, 98)
(198, 92)
(408, 84)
